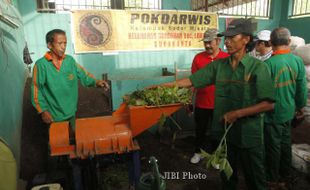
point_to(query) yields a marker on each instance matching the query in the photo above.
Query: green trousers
(252, 162)
(278, 150)
(72, 122)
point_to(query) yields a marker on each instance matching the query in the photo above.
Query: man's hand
(300, 114)
(46, 117)
(232, 116)
(102, 84)
(299, 117)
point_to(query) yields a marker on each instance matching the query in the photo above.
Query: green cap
(210, 35)
(240, 26)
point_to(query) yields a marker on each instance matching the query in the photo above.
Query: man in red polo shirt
(204, 101)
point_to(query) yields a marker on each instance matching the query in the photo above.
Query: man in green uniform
(54, 90)
(243, 92)
(289, 80)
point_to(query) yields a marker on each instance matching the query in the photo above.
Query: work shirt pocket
(69, 78)
(249, 94)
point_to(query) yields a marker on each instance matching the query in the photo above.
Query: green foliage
(162, 120)
(161, 123)
(159, 96)
(219, 156)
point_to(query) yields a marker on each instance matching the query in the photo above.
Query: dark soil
(175, 156)
(34, 152)
(177, 160)
(171, 156)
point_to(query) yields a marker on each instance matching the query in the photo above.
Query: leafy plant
(163, 119)
(161, 124)
(219, 156)
(159, 96)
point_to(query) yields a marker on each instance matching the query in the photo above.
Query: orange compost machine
(107, 134)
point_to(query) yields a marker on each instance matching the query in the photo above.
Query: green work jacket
(249, 84)
(289, 80)
(56, 91)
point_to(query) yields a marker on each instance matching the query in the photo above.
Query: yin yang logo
(95, 30)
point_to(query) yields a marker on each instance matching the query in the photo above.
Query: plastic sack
(296, 42)
(304, 53)
(301, 157)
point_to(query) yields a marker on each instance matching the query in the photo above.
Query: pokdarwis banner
(126, 30)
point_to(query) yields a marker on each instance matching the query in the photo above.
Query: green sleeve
(38, 82)
(205, 76)
(301, 86)
(264, 85)
(268, 64)
(85, 77)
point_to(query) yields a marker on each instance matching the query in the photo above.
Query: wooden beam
(226, 2)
